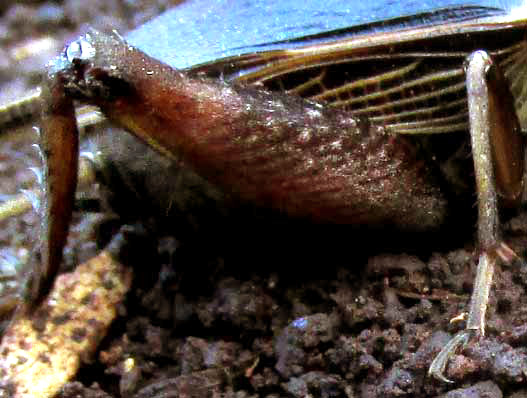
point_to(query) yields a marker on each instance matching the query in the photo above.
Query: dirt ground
(244, 310)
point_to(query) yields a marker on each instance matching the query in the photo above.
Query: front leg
(497, 150)
(59, 146)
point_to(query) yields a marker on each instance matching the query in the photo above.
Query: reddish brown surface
(273, 320)
(270, 150)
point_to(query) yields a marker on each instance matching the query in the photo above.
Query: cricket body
(329, 145)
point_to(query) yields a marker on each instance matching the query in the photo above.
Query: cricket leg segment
(497, 150)
(59, 146)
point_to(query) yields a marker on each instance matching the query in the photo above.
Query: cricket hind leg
(498, 154)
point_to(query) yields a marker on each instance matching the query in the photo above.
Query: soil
(268, 311)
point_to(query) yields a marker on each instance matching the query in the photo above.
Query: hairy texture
(274, 151)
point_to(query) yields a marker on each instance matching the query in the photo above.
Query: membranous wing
(402, 72)
(409, 80)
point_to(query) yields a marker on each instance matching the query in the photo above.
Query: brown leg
(59, 147)
(497, 150)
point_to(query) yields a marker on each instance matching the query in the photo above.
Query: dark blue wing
(201, 31)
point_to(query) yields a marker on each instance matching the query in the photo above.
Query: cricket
(317, 123)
